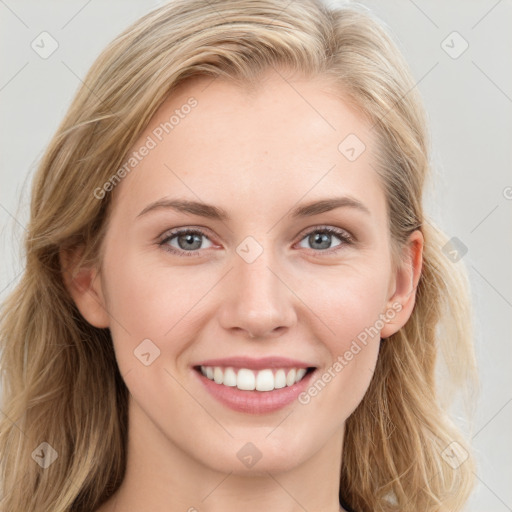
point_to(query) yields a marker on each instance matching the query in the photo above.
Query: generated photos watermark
(344, 359)
(151, 142)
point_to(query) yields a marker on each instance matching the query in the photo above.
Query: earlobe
(85, 287)
(406, 281)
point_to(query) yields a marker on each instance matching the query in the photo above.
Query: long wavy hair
(60, 380)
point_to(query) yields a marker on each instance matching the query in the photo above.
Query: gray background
(469, 103)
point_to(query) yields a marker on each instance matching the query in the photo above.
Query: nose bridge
(260, 302)
(258, 285)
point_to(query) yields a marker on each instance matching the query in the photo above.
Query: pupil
(318, 238)
(190, 240)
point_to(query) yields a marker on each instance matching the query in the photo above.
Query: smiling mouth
(245, 379)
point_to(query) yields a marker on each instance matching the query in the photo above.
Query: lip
(256, 364)
(255, 402)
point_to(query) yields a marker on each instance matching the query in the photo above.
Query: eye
(184, 242)
(188, 242)
(322, 238)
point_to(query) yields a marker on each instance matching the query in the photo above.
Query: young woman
(233, 298)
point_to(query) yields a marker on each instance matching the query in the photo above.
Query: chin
(257, 457)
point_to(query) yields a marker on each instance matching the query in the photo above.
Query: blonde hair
(61, 383)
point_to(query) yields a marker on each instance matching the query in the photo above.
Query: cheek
(349, 314)
(149, 300)
(347, 300)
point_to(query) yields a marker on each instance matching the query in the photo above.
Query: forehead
(268, 145)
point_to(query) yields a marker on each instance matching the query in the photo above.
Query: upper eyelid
(171, 233)
(321, 227)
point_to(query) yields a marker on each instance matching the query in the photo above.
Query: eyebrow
(213, 212)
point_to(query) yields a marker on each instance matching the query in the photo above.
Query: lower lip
(255, 402)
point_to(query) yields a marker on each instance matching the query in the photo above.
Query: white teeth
(290, 378)
(265, 380)
(229, 377)
(218, 376)
(248, 380)
(280, 379)
(300, 373)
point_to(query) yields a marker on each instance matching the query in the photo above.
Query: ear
(85, 287)
(404, 283)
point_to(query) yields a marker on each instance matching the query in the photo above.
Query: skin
(257, 156)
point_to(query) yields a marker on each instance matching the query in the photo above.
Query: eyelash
(345, 238)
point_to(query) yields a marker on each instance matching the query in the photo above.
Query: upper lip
(256, 364)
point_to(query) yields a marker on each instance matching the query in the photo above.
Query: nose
(258, 301)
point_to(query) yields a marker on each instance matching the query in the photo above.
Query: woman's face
(265, 280)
